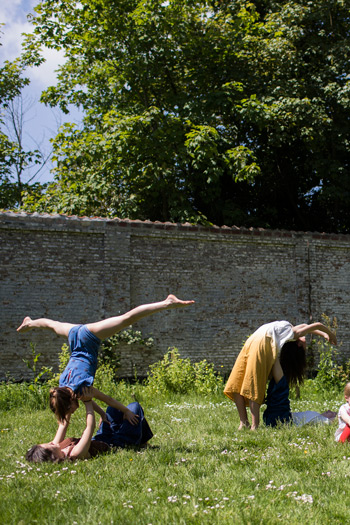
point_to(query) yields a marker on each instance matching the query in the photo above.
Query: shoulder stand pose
(84, 342)
(114, 432)
(247, 382)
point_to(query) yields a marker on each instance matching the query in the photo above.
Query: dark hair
(39, 454)
(293, 362)
(61, 399)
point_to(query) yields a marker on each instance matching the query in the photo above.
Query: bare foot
(174, 302)
(25, 326)
(243, 426)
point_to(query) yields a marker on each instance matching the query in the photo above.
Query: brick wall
(81, 270)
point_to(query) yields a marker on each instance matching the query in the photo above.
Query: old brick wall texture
(84, 269)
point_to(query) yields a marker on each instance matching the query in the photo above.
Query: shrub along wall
(84, 269)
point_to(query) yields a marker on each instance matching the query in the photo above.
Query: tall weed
(174, 374)
(331, 373)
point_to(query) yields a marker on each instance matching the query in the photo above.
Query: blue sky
(41, 122)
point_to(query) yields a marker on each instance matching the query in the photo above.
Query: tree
(14, 158)
(231, 112)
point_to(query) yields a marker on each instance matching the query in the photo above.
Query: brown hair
(293, 362)
(347, 390)
(39, 454)
(61, 399)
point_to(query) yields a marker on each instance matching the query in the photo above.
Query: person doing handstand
(246, 384)
(84, 341)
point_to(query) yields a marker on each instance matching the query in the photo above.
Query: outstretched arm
(61, 431)
(81, 450)
(56, 326)
(110, 401)
(314, 328)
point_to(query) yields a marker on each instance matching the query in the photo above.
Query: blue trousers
(121, 433)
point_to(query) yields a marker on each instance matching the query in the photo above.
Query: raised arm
(81, 450)
(314, 328)
(61, 431)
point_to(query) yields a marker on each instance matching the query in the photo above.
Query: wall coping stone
(158, 225)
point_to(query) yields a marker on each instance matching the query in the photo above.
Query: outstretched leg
(59, 328)
(108, 327)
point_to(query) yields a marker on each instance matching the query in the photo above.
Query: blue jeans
(121, 433)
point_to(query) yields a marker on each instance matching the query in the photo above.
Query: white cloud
(14, 15)
(42, 122)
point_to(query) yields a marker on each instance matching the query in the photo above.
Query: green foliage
(128, 336)
(109, 355)
(198, 470)
(332, 374)
(32, 395)
(211, 112)
(105, 378)
(108, 358)
(176, 375)
(24, 395)
(63, 358)
(32, 364)
(14, 158)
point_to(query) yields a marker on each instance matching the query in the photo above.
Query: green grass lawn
(197, 469)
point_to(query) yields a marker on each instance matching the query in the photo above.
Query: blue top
(277, 403)
(81, 368)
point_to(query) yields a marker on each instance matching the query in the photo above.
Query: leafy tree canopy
(232, 112)
(13, 157)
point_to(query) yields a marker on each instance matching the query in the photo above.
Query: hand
(86, 394)
(131, 417)
(332, 339)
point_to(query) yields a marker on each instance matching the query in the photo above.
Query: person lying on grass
(115, 431)
(247, 382)
(84, 342)
(288, 370)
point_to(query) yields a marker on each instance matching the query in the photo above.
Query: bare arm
(81, 450)
(100, 411)
(130, 416)
(61, 431)
(314, 328)
(87, 395)
(43, 323)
